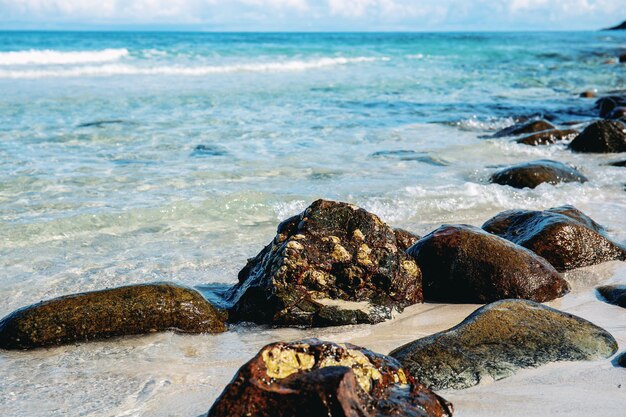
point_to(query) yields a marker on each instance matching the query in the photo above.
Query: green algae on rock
(614, 294)
(333, 264)
(311, 378)
(500, 338)
(128, 310)
(464, 264)
(564, 236)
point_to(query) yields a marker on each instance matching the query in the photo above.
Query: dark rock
(547, 136)
(333, 264)
(620, 360)
(208, 150)
(464, 264)
(405, 238)
(603, 136)
(614, 294)
(531, 174)
(564, 236)
(621, 26)
(311, 378)
(588, 94)
(606, 105)
(500, 338)
(618, 113)
(622, 58)
(532, 126)
(618, 163)
(102, 123)
(133, 309)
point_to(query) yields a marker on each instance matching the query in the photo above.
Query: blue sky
(312, 15)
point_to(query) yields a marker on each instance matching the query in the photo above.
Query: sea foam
(53, 57)
(124, 69)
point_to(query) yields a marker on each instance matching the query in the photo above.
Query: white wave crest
(52, 57)
(121, 69)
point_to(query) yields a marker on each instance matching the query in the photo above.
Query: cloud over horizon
(315, 14)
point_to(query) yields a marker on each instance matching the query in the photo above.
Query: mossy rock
(128, 310)
(497, 340)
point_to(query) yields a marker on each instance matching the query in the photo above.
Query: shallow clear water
(102, 183)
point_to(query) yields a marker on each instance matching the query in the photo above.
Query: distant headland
(621, 26)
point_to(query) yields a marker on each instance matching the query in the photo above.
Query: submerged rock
(620, 360)
(547, 137)
(464, 264)
(311, 378)
(333, 264)
(614, 294)
(129, 310)
(531, 174)
(500, 338)
(564, 236)
(606, 105)
(604, 136)
(532, 126)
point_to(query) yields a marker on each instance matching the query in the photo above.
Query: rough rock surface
(319, 379)
(614, 294)
(604, 136)
(498, 339)
(464, 264)
(547, 137)
(405, 238)
(531, 174)
(525, 128)
(133, 309)
(564, 236)
(333, 264)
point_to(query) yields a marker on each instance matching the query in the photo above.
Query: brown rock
(547, 137)
(532, 126)
(464, 264)
(531, 174)
(588, 94)
(133, 309)
(311, 378)
(603, 136)
(564, 236)
(333, 264)
(405, 238)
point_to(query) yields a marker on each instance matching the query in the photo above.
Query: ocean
(131, 157)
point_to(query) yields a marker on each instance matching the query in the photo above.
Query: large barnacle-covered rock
(333, 264)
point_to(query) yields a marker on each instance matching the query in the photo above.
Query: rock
(208, 150)
(621, 26)
(588, 94)
(622, 58)
(618, 113)
(500, 338)
(102, 123)
(405, 238)
(618, 163)
(547, 136)
(603, 136)
(524, 128)
(129, 310)
(333, 264)
(464, 264)
(614, 294)
(620, 360)
(531, 174)
(311, 378)
(606, 105)
(564, 236)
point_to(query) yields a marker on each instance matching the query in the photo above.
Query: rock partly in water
(500, 338)
(311, 378)
(618, 163)
(588, 94)
(333, 264)
(606, 105)
(531, 174)
(564, 236)
(620, 360)
(532, 126)
(614, 294)
(603, 136)
(547, 137)
(464, 264)
(622, 58)
(129, 310)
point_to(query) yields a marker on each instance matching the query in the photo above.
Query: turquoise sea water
(134, 157)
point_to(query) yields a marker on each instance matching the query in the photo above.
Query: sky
(312, 15)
